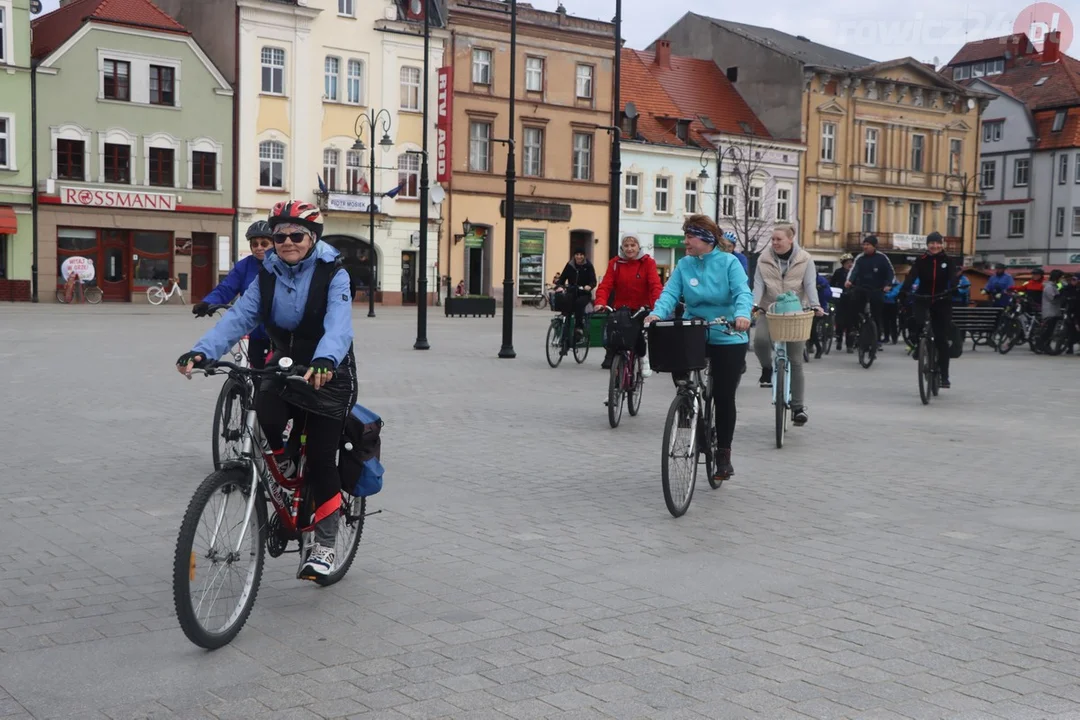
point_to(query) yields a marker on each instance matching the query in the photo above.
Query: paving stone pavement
(893, 561)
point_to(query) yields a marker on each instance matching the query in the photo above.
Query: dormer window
(682, 130)
(628, 125)
(961, 72)
(1059, 121)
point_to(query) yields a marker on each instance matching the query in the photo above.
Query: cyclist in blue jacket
(237, 281)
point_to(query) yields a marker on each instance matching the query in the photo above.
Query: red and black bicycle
(227, 527)
(627, 378)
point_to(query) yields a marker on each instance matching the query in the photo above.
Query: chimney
(1052, 47)
(663, 54)
(733, 74)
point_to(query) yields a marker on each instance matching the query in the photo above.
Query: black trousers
(726, 363)
(579, 304)
(941, 321)
(323, 437)
(258, 349)
(890, 313)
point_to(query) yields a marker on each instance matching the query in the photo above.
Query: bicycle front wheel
(155, 295)
(868, 338)
(615, 390)
(633, 398)
(581, 347)
(680, 459)
(228, 423)
(925, 370)
(93, 294)
(216, 574)
(553, 343)
(62, 297)
(780, 400)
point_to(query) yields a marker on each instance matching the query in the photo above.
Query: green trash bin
(596, 328)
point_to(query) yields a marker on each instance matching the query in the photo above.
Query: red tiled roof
(690, 89)
(53, 30)
(988, 49)
(1060, 88)
(1067, 137)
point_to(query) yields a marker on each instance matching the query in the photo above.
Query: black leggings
(323, 435)
(726, 364)
(941, 322)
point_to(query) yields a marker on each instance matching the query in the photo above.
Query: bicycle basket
(563, 302)
(621, 331)
(789, 327)
(678, 348)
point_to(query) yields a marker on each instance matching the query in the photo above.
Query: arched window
(271, 164)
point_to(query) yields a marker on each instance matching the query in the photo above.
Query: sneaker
(320, 563)
(606, 365)
(287, 468)
(766, 378)
(945, 384)
(799, 417)
(646, 369)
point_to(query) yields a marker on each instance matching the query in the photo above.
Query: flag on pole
(322, 186)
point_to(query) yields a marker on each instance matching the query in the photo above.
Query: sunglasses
(262, 244)
(296, 237)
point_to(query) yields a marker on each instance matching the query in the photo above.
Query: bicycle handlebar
(937, 296)
(724, 324)
(293, 372)
(215, 308)
(633, 315)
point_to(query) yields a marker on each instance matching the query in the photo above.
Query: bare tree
(750, 214)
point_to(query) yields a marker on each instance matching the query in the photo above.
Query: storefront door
(202, 266)
(115, 266)
(408, 278)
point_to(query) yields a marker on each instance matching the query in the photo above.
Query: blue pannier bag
(358, 457)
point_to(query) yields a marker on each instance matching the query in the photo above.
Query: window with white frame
(825, 213)
(952, 221)
(828, 141)
(346, 7)
(1059, 221)
(410, 88)
(918, 152)
(354, 83)
(7, 141)
(662, 194)
(331, 76)
(1076, 221)
(117, 153)
(481, 66)
(992, 130)
(331, 157)
(956, 150)
(532, 156)
(409, 175)
(271, 164)
(1017, 221)
(479, 146)
(962, 72)
(1059, 121)
(582, 165)
(116, 80)
(727, 200)
(354, 172)
(1021, 172)
(71, 153)
(869, 215)
(273, 70)
(783, 204)
(161, 154)
(584, 82)
(690, 196)
(632, 192)
(915, 218)
(871, 147)
(753, 202)
(989, 174)
(983, 224)
(5, 51)
(1063, 169)
(995, 67)
(1076, 167)
(204, 164)
(534, 74)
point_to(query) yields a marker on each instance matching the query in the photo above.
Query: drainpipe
(34, 179)
(1053, 210)
(235, 249)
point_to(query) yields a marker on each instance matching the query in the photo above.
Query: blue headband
(701, 233)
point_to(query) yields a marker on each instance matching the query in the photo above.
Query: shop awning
(8, 224)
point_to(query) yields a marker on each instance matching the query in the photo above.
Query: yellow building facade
(892, 151)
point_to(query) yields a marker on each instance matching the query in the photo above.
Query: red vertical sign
(444, 120)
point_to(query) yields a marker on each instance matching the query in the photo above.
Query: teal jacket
(712, 286)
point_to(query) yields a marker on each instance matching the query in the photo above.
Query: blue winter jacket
(290, 299)
(234, 284)
(997, 285)
(744, 261)
(893, 293)
(713, 285)
(824, 291)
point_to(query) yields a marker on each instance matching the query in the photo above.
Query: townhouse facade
(134, 141)
(310, 75)
(16, 180)
(563, 93)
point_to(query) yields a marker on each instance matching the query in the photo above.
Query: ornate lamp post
(372, 120)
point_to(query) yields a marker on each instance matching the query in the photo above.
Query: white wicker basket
(789, 327)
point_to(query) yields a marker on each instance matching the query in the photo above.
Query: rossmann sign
(444, 121)
(118, 199)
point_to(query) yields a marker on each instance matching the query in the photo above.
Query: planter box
(470, 306)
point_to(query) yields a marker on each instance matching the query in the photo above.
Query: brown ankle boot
(724, 470)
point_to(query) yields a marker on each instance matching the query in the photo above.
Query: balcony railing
(902, 243)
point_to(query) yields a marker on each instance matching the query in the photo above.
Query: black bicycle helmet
(259, 229)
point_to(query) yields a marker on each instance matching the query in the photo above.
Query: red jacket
(634, 283)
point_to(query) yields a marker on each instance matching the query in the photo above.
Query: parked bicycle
(157, 293)
(679, 347)
(562, 334)
(219, 558)
(627, 379)
(76, 290)
(1065, 333)
(540, 300)
(1017, 325)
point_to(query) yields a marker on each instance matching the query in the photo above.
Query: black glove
(200, 309)
(323, 365)
(198, 359)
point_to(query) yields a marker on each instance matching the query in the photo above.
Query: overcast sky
(877, 29)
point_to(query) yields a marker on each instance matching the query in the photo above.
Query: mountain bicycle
(1017, 324)
(690, 427)
(926, 352)
(625, 381)
(156, 293)
(235, 545)
(562, 335)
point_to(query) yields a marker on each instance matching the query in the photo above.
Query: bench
(977, 322)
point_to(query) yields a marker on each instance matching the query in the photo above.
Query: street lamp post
(421, 306)
(372, 120)
(966, 181)
(507, 349)
(614, 200)
(719, 155)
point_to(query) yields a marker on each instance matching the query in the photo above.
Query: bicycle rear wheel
(350, 529)
(780, 401)
(554, 343)
(228, 422)
(209, 549)
(633, 398)
(925, 370)
(680, 457)
(615, 390)
(868, 338)
(93, 294)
